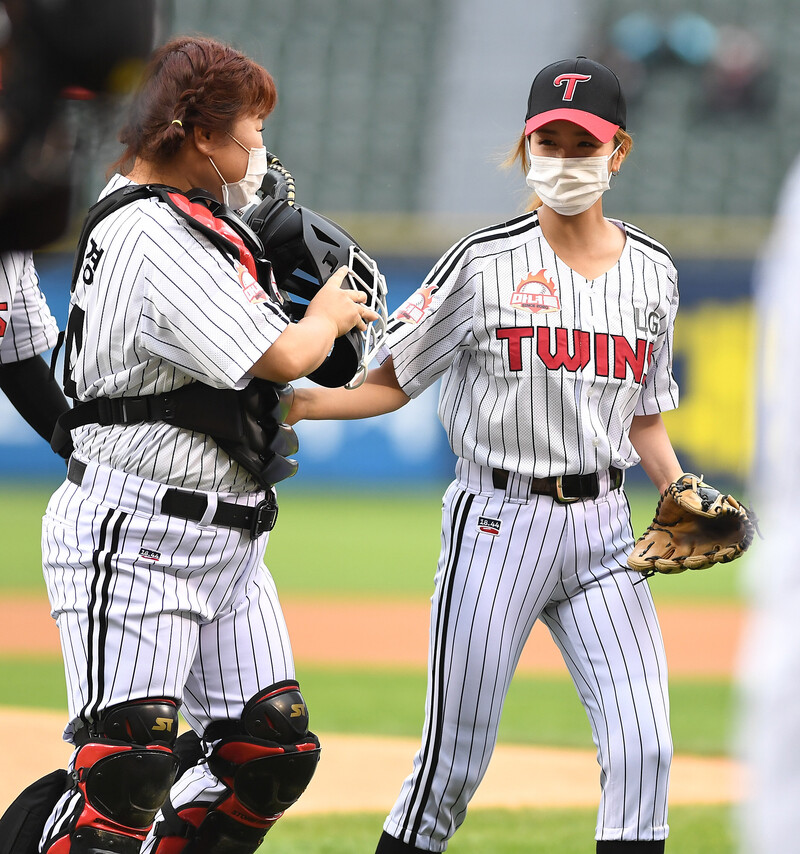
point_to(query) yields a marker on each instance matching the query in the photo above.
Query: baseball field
(355, 572)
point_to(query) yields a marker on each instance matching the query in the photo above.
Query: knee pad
(270, 760)
(139, 722)
(118, 784)
(264, 761)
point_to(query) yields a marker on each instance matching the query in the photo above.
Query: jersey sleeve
(27, 327)
(207, 315)
(659, 389)
(427, 332)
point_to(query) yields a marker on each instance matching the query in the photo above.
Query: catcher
(695, 526)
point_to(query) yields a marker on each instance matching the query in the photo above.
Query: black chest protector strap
(248, 424)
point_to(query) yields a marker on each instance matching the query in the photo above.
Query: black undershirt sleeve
(34, 394)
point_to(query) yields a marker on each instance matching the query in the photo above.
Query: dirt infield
(701, 641)
(519, 776)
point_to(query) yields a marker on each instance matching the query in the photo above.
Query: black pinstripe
(100, 603)
(433, 743)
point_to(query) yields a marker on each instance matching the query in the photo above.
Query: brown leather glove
(695, 526)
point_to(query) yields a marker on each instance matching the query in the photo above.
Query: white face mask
(239, 194)
(569, 185)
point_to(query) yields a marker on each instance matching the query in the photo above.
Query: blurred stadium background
(394, 116)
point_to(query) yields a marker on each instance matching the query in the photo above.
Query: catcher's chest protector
(247, 424)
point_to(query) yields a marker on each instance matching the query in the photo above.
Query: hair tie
(177, 122)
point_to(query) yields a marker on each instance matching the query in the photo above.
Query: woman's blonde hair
(519, 154)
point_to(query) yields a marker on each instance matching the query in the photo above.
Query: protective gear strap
(198, 831)
(225, 231)
(247, 424)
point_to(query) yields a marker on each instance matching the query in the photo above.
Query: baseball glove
(278, 182)
(695, 526)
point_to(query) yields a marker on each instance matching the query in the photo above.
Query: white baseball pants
(507, 560)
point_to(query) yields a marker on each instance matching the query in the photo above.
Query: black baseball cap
(580, 91)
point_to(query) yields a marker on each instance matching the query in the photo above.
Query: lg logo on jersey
(611, 355)
(650, 325)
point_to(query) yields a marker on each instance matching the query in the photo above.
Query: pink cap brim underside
(596, 126)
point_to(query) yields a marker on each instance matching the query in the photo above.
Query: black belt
(566, 488)
(257, 519)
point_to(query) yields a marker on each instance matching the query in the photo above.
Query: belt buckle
(560, 497)
(265, 514)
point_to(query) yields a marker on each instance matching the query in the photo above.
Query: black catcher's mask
(305, 249)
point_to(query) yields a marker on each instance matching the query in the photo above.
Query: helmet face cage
(365, 276)
(304, 249)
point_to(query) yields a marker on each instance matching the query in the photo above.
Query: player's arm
(649, 437)
(34, 394)
(379, 394)
(303, 346)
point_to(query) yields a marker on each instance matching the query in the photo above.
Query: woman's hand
(343, 307)
(303, 346)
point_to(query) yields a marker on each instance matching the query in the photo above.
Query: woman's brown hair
(191, 81)
(519, 153)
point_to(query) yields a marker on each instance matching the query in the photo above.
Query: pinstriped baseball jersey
(542, 373)
(162, 308)
(27, 328)
(542, 369)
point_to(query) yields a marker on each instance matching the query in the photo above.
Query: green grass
(693, 830)
(539, 710)
(345, 545)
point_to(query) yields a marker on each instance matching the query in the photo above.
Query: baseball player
(153, 546)
(552, 334)
(27, 329)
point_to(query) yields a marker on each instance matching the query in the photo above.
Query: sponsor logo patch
(488, 526)
(148, 554)
(414, 308)
(253, 292)
(536, 293)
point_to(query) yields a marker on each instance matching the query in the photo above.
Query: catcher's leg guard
(121, 774)
(263, 762)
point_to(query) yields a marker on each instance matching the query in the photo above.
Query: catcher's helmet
(305, 249)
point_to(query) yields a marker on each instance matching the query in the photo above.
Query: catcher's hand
(695, 526)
